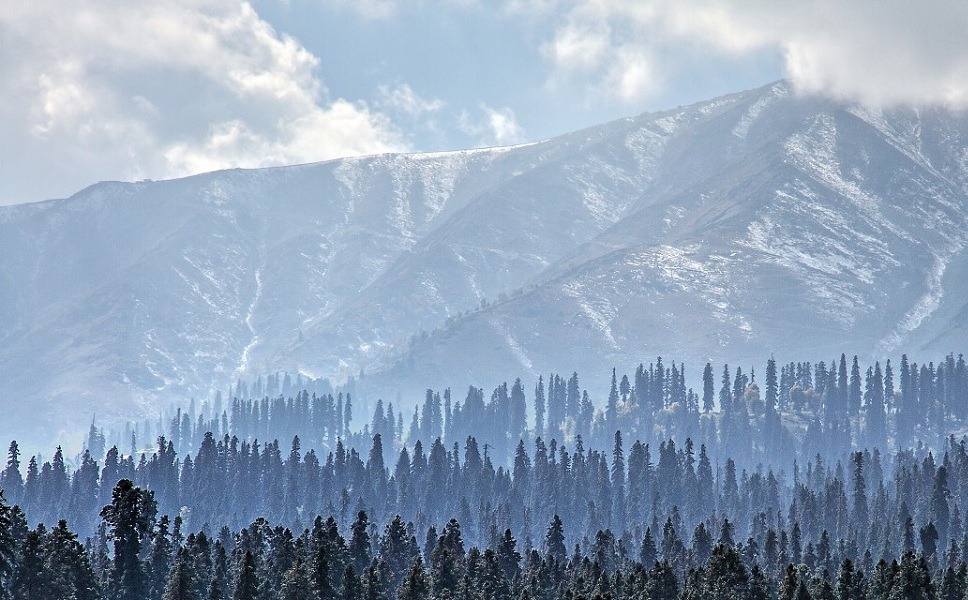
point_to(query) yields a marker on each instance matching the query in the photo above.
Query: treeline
(827, 481)
(792, 409)
(138, 553)
(861, 503)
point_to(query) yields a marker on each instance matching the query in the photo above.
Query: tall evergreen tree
(11, 481)
(130, 517)
(398, 548)
(181, 584)
(707, 388)
(555, 540)
(296, 583)
(772, 390)
(28, 582)
(68, 568)
(246, 579)
(539, 408)
(416, 584)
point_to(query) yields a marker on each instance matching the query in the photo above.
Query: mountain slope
(758, 223)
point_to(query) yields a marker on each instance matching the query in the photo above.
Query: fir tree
(296, 583)
(555, 540)
(359, 547)
(416, 584)
(707, 388)
(130, 517)
(398, 548)
(180, 584)
(246, 579)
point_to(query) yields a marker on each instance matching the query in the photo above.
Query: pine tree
(320, 571)
(519, 410)
(788, 584)
(130, 517)
(555, 540)
(359, 547)
(648, 552)
(841, 404)
(725, 395)
(707, 388)
(860, 512)
(618, 483)
(11, 481)
(702, 543)
(929, 540)
(68, 568)
(573, 401)
(850, 582)
(447, 559)
(181, 585)
(352, 585)
(661, 582)
(28, 578)
(912, 581)
(246, 579)
(905, 411)
(508, 558)
(296, 583)
(772, 390)
(875, 406)
(159, 559)
(952, 586)
(939, 512)
(726, 576)
(726, 534)
(854, 393)
(218, 588)
(539, 408)
(610, 407)
(398, 548)
(416, 584)
(8, 541)
(374, 582)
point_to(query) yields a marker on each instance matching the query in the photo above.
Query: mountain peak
(758, 223)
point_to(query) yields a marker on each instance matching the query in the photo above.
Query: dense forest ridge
(796, 408)
(632, 529)
(663, 493)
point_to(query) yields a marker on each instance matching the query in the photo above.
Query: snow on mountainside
(758, 223)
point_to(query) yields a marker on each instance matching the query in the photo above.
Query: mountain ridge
(760, 222)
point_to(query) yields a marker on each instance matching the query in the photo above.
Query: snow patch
(244, 359)
(596, 308)
(742, 127)
(925, 306)
(515, 347)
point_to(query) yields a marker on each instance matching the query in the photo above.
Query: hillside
(754, 224)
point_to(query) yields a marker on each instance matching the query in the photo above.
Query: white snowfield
(760, 223)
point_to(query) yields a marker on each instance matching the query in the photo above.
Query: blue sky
(473, 58)
(108, 89)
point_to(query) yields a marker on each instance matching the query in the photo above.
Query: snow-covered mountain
(754, 224)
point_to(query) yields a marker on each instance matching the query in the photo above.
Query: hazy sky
(114, 89)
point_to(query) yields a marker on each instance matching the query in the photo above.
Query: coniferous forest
(802, 481)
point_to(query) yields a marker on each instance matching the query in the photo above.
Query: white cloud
(402, 99)
(493, 127)
(601, 48)
(370, 9)
(384, 9)
(156, 89)
(531, 7)
(890, 52)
